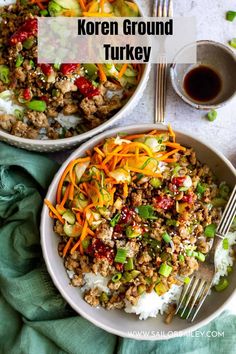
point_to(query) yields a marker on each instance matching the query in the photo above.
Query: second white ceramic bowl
(117, 321)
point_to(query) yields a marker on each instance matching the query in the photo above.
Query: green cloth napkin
(34, 318)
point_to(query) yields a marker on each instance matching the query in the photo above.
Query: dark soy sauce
(202, 84)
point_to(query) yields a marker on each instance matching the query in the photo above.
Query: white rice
(7, 106)
(224, 258)
(95, 281)
(150, 304)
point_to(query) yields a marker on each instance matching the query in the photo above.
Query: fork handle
(216, 243)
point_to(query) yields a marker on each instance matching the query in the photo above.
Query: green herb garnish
(146, 212)
(212, 115)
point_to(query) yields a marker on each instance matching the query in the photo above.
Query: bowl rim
(185, 98)
(72, 141)
(44, 214)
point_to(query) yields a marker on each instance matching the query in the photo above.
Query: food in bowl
(53, 101)
(135, 217)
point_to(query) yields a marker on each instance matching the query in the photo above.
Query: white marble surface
(221, 133)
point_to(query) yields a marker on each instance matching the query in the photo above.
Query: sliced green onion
(18, 114)
(222, 285)
(232, 43)
(156, 182)
(57, 66)
(166, 237)
(31, 62)
(171, 222)
(176, 170)
(130, 264)
(218, 202)
(230, 15)
(72, 230)
(19, 60)
(69, 217)
(146, 212)
(44, 12)
(160, 289)
(4, 74)
(28, 43)
(224, 190)
(104, 297)
(225, 244)
(210, 230)
(86, 242)
(181, 258)
(121, 255)
(165, 270)
(37, 105)
(187, 280)
(134, 273)
(116, 277)
(133, 231)
(229, 269)
(201, 188)
(200, 256)
(141, 289)
(189, 253)
(212, 115)
(115, 220)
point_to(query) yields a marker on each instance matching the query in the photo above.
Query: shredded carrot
(67, 246)
(102, 5)
(172, 152)
(54, 211)
(39, 3)
(99, 152)
(170, 160)
(122, 71)
(78, 218)
(65, 197)
(82, 237)
(52, 215)
(90, 232)
(136, 154)
(72, 186)
(153, 132)
(144, 172)
(141, 146)
(171, 132)
(88, 207)
(134, 136)
(175, 145)
(97, 14)
(65, 173)
(102, 74)
(88, 152)
(82, 5)
(126, 190)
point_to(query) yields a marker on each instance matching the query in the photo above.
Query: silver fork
(161, 9)
(196, 291)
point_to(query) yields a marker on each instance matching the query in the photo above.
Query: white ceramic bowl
(63, 144)
(117, 321)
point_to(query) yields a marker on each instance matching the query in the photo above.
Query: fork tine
(225, 219)
(183, 294)
(202, 282)
(164, 9)
(190, 295)
(154, 10)
(170, 11)
(202, 299)
(230, 217)
(159, 10)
